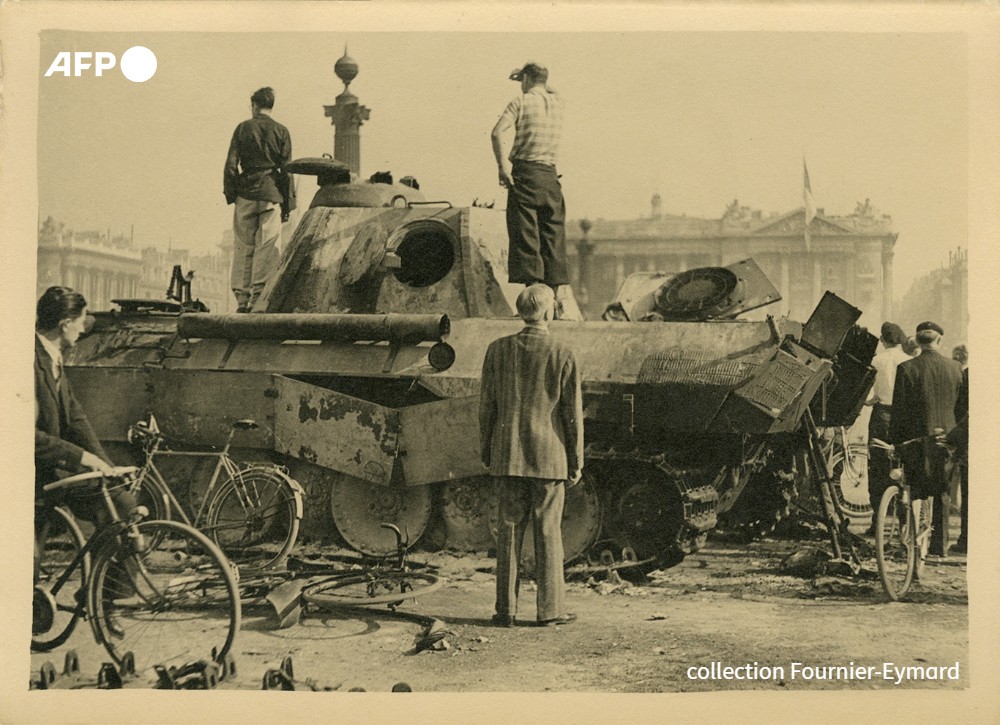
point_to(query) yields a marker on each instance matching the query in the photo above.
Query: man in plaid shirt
(536, 212)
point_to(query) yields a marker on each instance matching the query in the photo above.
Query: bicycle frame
(95, 542)
(223, 463)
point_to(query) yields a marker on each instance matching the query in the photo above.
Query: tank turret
(363, 355)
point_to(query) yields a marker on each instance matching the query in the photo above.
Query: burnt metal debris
(204, 674)
(364, 353)
(283, 678)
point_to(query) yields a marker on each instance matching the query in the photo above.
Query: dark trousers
(963, 538)
(86, 504)
(879, 463)
(536, 226)
(939, 520)
(540, 502)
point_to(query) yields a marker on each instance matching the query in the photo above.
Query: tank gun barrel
(395, 328)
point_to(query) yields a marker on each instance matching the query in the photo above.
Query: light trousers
(540, 502)
(256, 236)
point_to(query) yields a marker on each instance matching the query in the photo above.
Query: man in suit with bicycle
(65, 442)
(531, 438)
(923, 406)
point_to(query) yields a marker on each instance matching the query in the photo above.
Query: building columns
(817, 279)
(887, 254)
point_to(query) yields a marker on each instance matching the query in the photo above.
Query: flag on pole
(807, 201)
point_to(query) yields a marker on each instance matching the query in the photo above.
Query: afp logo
(138, 63)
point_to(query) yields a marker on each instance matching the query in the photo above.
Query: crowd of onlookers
(920, 394)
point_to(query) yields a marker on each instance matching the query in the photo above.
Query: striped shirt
(538, 118)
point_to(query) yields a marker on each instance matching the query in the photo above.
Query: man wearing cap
(885, 364)
(536, 211)
(256, 182)
(531, 439)
(927, 388)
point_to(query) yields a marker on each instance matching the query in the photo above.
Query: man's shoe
(502, 620)
(567, 618)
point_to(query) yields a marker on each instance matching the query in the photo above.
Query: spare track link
(698, 498)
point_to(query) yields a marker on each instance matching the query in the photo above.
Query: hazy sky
(700, 118)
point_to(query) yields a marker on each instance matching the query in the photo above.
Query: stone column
(817, 285)
(784, 289)
(887, 254)
(347, 116)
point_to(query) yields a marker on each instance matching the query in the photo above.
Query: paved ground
(728, 604)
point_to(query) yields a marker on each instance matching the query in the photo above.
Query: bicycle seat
(246, 424)
(81, 478)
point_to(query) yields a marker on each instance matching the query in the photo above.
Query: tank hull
(679, 416)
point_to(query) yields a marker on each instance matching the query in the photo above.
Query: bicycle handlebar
(890, 447)
(70, 481)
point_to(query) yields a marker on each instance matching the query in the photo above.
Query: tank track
(674, 523)
(767, 500)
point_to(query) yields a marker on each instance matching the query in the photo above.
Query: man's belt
(522, 162)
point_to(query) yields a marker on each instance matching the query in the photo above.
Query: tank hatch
(704, 293)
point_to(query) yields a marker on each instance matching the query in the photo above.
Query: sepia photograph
(607, 363)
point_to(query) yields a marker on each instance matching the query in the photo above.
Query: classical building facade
(848, 255)
(99, 266)
(104, 267)
(941, 296)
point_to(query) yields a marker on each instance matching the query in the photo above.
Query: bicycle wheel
(391, 587)
(894, 543)
(254, 517)
(169, 596)
(150, 493)
(56, 603)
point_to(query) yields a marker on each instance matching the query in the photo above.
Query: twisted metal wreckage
(363, 369)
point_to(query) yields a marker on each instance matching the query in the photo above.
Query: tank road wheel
(768, 498)
(581, 523)
(465, 509)
(643, 510)
(360, 508)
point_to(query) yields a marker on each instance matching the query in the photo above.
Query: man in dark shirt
(923, 404)
(258, 184)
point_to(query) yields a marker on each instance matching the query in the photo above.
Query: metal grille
(697, 368)
(782, 380)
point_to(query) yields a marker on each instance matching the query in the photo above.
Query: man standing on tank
(257, 183)
(536, 211)
(531, 439)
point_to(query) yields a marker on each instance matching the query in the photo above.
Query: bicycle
(903, 527)
(848, 463)
(151, 590)
(383, 583)
(253, 515)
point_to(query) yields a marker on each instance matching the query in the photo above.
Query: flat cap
(538, 72)
(930, 326)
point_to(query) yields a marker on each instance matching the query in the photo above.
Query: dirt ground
(728, 603)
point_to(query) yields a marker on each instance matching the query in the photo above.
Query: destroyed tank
(362, 361)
